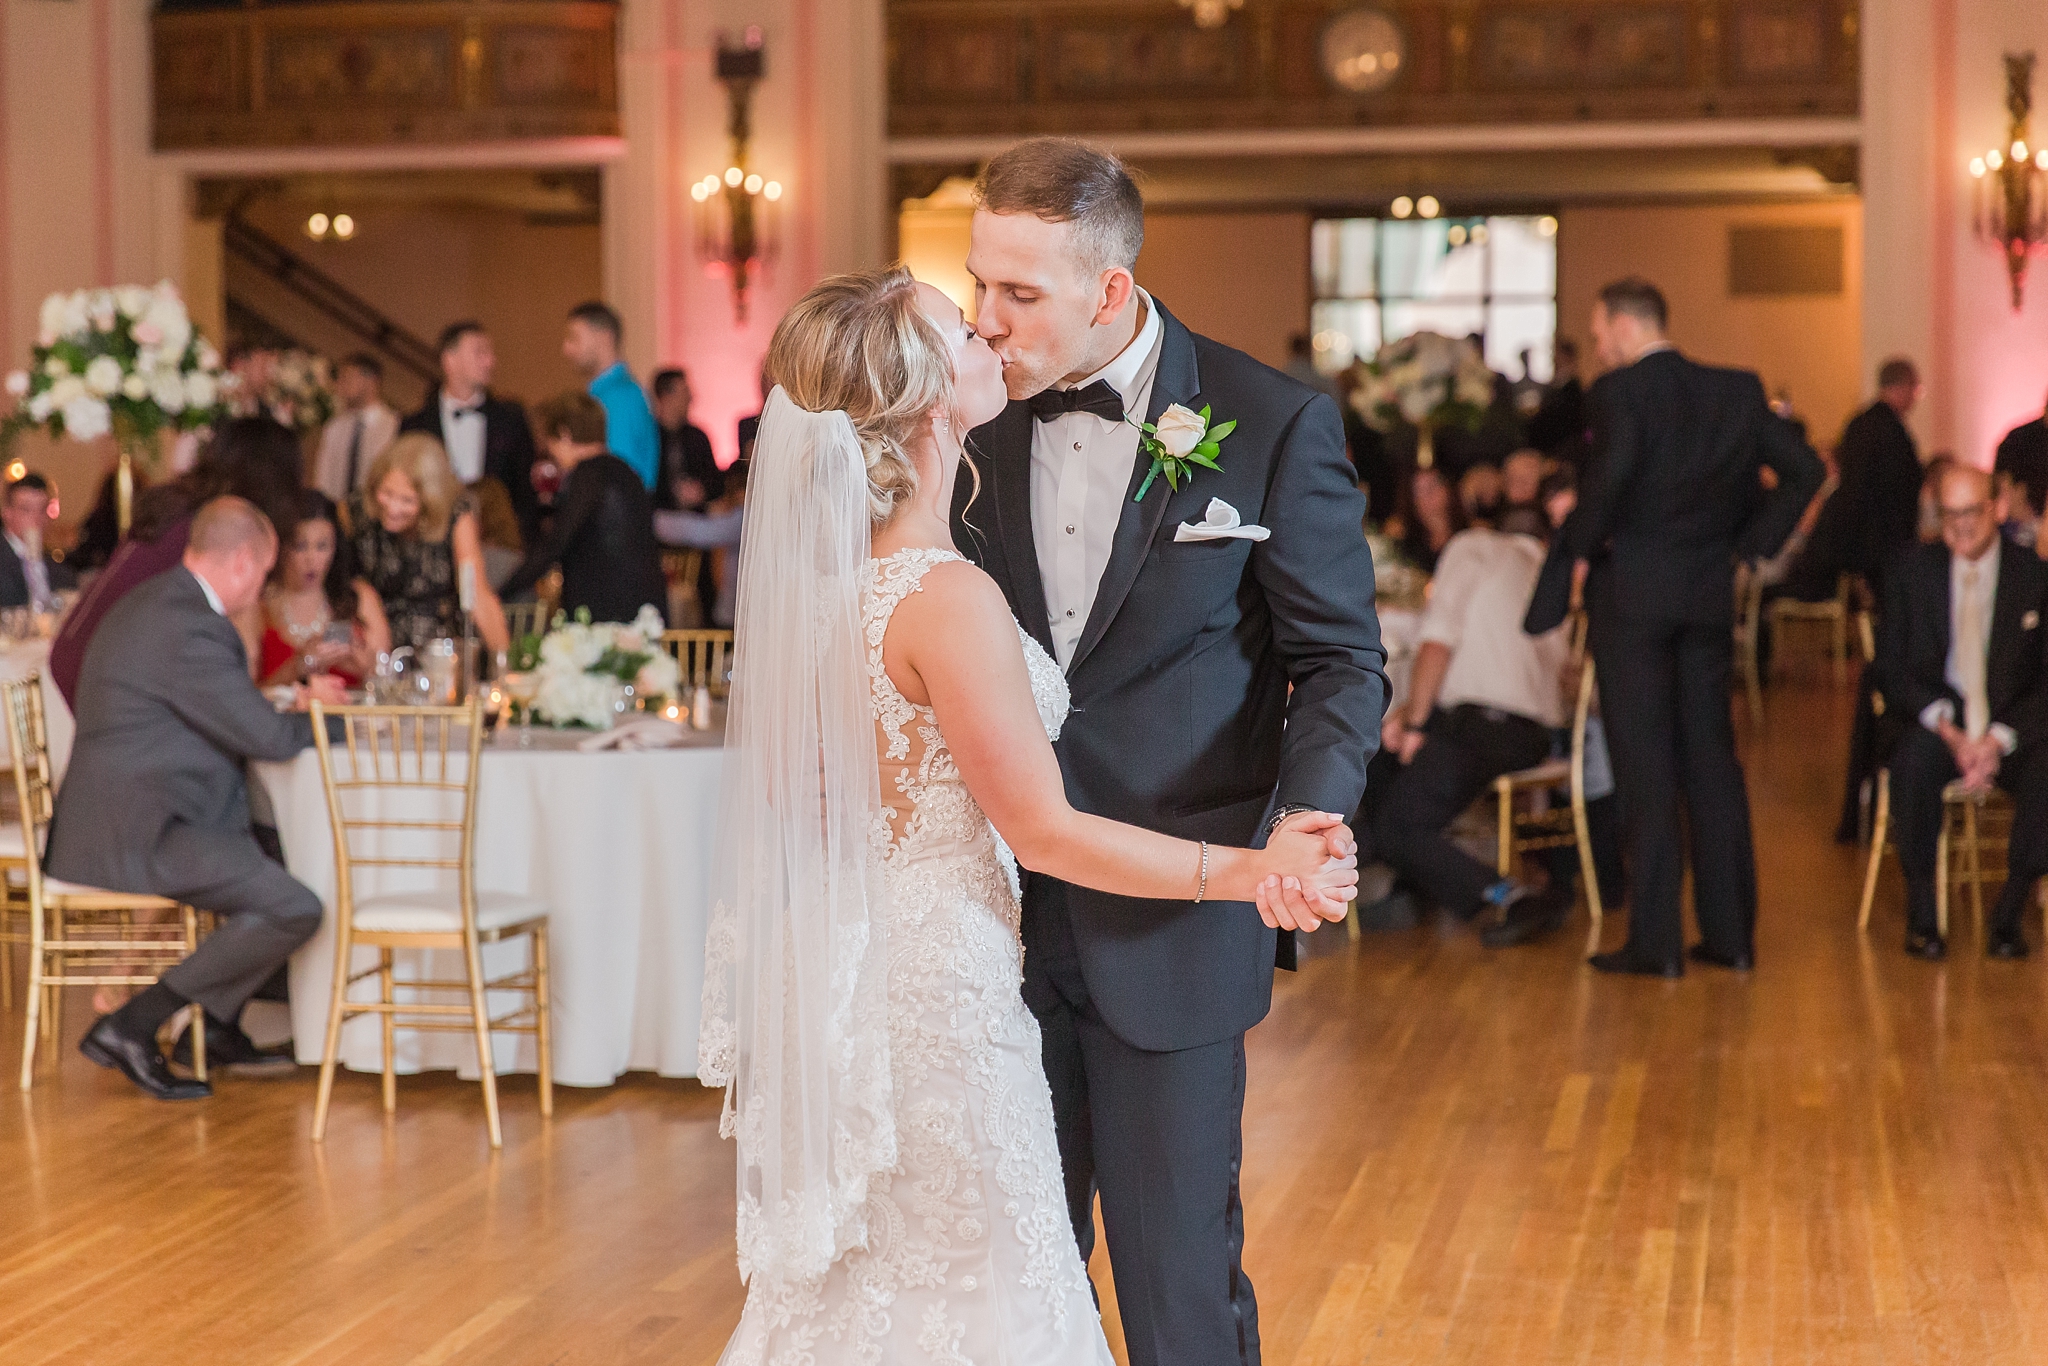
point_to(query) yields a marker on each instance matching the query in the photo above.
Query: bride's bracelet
(1202, 886)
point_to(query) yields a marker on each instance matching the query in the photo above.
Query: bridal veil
(795, 1020)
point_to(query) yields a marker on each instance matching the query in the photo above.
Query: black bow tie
(1097, 398)
(477, 411)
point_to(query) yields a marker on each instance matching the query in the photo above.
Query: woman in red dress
(318, 617)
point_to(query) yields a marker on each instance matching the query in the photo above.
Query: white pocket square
(1221, 522)
(2030, 621)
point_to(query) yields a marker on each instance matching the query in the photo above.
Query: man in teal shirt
(591, 344)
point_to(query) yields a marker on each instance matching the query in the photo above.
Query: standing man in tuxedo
(2023, 456)
(1881, 475)
(28, 576)
(1671, 498)
(1962, 664)
(485, 437)
(359, 432)
(1180, 653)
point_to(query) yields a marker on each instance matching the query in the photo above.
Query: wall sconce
(1212, 13)
(2012, 182)
(735, 208)
(330, 227)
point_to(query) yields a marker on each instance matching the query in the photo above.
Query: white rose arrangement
(125, 361)
(1425, 379)
(580, 665)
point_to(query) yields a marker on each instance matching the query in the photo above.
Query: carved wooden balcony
(312, 73)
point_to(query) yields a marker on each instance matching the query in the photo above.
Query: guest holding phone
(318, 617)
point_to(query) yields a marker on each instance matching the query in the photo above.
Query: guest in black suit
(603, 530)
(1881, 476)
(1559, 427)
(485, 437)
(1962, 664)
(156, 798)
(1671, 498)
(28, 576)
(2023, 457)
(690, 476)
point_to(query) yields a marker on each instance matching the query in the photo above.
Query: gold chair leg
(1941, 879)
(544, 1039)
(1878, 830)
(486, 1065)
(388, 996)
(343, 951)
(32, 1026)
(1504, 855)
(6, 973)
(197, 1022)
(1973, 863)
(1589, 873)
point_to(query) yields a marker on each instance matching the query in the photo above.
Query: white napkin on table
(1220, 523)
(649, 732)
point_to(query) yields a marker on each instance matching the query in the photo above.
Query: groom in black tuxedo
(1222, 686)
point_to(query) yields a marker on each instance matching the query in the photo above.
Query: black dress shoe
(1528, 917)
(234, 1052)
(1929, 947)
(139, 1061)
(1742, 961)
(1626, 960)
(2007, 944)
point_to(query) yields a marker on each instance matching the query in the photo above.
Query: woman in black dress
(603, 531)
(414, 533)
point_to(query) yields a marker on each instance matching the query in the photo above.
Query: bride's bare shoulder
(957, 596)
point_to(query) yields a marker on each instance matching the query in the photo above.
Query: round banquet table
(19, 659)
(619, 846)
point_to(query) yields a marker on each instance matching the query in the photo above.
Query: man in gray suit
(156, 798)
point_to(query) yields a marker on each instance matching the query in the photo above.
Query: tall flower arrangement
(299, 395)
(1425, 380)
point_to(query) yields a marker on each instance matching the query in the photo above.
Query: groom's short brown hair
(1062, 180)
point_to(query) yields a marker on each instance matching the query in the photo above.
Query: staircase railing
(319, 290)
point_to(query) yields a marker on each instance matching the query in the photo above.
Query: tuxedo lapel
(1177, 380)
(1009, 446)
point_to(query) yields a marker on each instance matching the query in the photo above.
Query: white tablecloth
(19, 659)
(618, 844)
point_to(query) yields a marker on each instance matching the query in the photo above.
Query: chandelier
(1212, 13)
(2012, 182)
(735, 228)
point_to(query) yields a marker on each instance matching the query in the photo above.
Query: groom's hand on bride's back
(1322, 859)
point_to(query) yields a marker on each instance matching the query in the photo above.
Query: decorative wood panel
(1021, 66)
(336, 72)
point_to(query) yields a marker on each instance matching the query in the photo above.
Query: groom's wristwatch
(1280, 817)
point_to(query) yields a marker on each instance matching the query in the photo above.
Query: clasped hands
(1978, 759)
(1319, 847)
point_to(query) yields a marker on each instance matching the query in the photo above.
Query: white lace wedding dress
(971, 1260)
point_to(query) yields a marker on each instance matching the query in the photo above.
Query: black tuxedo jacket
(1671, 496)
(1183, 720)
(2023, 454)
(508, 451)
(1880, 491)
(14, 576)
(1911, 668)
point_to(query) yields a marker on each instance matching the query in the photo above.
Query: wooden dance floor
(1453, 1156)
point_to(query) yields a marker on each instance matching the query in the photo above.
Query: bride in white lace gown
(900, 1195)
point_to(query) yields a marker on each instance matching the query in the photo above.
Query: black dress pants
(1664, 699)
(1921, 767)
(1160, 1136)
(1409, 806)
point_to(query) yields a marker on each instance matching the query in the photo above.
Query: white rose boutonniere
(1180, 440)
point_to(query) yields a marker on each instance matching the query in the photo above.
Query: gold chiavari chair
(682, 569)
(78, 935)
(525, 619)
(1976, 834)
(1749, 597)
(705, 657)
(399, 794)
(1833, 613)
(1537, 825)
(14, 927)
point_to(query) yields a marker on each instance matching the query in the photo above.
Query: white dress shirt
(1080, 475)
(1941, 710)
(35, 571)
(212, 598)
(379, 427)
(1476, 602)
(462, 432)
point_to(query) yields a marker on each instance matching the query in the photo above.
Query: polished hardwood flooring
(1453, 1156)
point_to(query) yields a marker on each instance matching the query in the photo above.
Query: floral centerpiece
(580, 668)
(126, 361)
(298, 394)
(1425, 380)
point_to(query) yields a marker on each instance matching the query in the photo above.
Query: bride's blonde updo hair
(861, 344)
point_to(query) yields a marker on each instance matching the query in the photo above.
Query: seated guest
(603, 532)
(156, 798)
(1479, 493)
(362, 426)
(1425, 518)
(715, 530)
(318, 617)
(690, 476)
(28, 576)
(414, 536)
(1521, 478)
(1963, 669)
(252, 458)
(485, 438)
(1483, 700)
